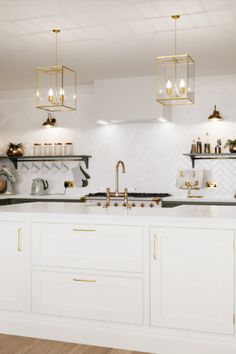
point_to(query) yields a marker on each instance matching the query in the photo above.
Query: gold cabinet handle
(19, 243)
(84, 230)
(85, 280)
(154, 247)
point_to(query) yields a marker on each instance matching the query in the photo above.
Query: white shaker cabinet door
(13, 265)
(99, 247)
(192, 279)
(88, 296)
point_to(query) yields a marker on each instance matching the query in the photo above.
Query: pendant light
(215, 116)
(55, 85)
(175, 77)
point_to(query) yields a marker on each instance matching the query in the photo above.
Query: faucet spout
(117, 175)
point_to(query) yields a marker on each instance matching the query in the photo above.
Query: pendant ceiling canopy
(55, 86)
(175, 77)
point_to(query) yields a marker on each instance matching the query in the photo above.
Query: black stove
(133, 195)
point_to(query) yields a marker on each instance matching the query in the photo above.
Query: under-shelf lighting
(162, 120)
(102, 122)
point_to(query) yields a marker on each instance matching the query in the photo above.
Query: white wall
(152, 152)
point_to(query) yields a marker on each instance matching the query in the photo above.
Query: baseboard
(129, 339)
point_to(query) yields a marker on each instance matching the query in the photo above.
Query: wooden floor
(22, 345)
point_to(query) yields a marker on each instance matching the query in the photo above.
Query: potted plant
(15, 149)
(231, 143)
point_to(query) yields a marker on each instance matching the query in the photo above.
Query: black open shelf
(223, 156)
(16, 159)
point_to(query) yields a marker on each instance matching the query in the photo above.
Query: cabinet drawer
(100, 247)
(94, 297)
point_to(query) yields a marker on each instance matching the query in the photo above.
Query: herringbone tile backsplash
(152, 152)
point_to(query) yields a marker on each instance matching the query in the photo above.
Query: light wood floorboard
(23, 345)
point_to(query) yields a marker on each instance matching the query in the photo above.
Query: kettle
(39, 186)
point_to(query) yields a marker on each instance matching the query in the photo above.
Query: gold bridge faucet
(117, 176)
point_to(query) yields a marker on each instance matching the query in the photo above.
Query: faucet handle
(108, 195)
(126, 201)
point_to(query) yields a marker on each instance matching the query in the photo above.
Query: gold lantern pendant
(175, 77)
(56, 86)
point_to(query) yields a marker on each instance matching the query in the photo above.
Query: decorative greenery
(230, 142)
(15, 146)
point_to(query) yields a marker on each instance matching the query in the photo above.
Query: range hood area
(128, 100)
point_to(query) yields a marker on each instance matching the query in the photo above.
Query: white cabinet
(99, 247)
(192, 279)
(14, 246)
(127, 100)
(96, 297)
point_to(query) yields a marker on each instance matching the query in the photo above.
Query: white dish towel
(80, 176)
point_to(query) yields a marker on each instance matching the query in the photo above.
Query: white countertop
(74, 212)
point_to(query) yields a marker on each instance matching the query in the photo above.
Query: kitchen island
(155, 280)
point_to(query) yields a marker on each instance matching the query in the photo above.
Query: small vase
(15, 151)
(232, 148)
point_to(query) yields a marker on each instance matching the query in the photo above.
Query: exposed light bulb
(50, 95)
(169, 88)
(182, 87)
(62, 94)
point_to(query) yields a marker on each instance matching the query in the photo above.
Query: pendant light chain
(56, 31)
(56, 49)
(175, 38)
(175, 18)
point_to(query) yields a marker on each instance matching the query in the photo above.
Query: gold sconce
(50, 121)
(55, 86)
(175, 77)
(215, 116)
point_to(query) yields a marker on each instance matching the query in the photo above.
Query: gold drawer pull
(154, 247)
(19, 243)
(85, 280)
(83, 230)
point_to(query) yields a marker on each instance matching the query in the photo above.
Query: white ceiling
(113, 38)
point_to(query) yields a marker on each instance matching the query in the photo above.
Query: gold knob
(133, 204)
(116, 204)
(124, 204)
(99, 203)
(142, 205)
(151, 205)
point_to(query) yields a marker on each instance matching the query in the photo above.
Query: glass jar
(37, 149)
(47, 149)
(68, 149)
(58, 149)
